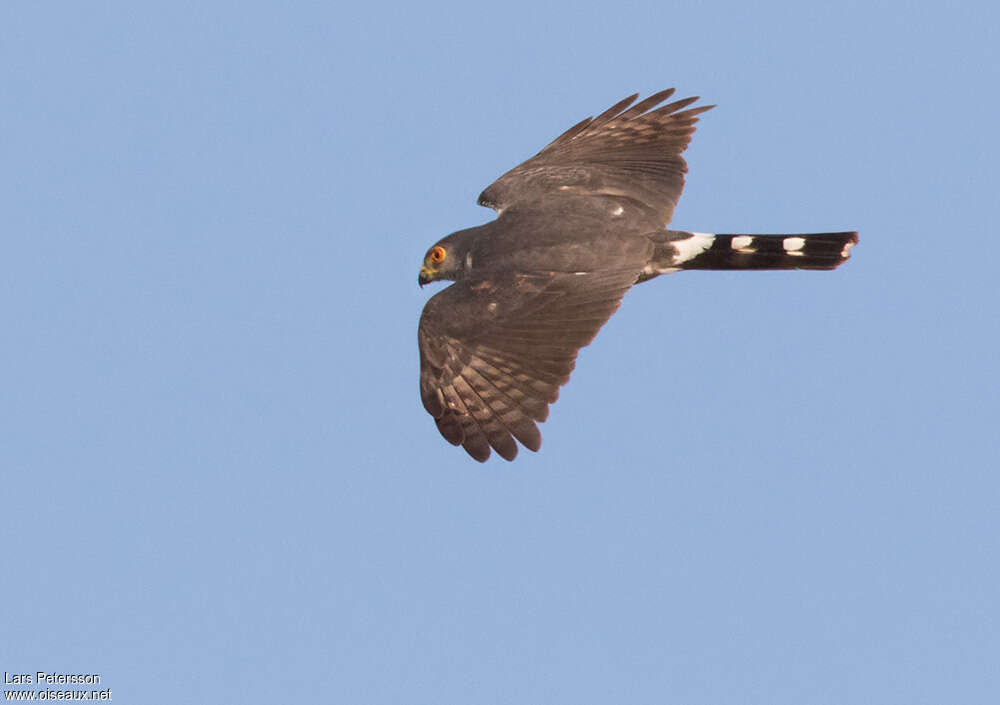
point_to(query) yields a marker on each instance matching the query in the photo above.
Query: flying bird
(577, 226)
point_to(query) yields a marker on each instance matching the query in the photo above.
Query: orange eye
(438, 254)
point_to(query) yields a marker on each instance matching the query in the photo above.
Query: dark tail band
(684, 250)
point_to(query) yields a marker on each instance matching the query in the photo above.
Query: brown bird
(577, 226)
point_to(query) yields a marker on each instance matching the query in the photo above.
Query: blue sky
(219, 483)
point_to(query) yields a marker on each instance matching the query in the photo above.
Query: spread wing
(495, 350)
(633, 152)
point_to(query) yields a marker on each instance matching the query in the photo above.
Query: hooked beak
(424, 277)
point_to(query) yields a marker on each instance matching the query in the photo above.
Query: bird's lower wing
(494, 352)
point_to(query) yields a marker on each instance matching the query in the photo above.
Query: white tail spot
(794, 244)
(742, 242)
(618, 211)
(691, 247)
(846, 252)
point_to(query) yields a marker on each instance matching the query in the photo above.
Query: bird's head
(445, 260)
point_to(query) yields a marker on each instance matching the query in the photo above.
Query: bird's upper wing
(495, 350)
(634, 152)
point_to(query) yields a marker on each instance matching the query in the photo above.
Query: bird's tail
(688, 250)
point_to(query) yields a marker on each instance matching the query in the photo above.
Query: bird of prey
(577, 226)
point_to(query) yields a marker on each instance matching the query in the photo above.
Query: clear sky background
(219, 485)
